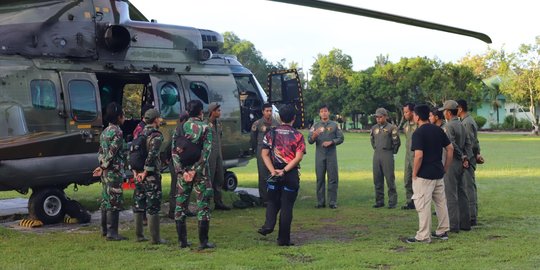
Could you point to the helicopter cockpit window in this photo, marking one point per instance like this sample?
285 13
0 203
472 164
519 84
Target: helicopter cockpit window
250 101
12 120
82 97
169 101
199 91
43 94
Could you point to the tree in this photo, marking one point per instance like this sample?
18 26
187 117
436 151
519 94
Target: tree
329 82
249 56
491 66
524 86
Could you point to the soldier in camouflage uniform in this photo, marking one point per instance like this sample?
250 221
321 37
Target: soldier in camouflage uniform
455 182
215 161
194 177
258 130
172 194
147 195
385 141
472 130
112 160
408 127
327 135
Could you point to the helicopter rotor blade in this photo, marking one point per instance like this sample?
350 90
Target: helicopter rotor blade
386 16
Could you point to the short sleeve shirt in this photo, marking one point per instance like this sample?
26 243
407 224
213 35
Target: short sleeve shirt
288 141
431 139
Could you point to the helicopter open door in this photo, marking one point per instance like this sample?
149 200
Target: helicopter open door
284 87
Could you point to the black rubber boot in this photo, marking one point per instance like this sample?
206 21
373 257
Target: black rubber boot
181 230
139 227
153 226
204 227
103 222
112 232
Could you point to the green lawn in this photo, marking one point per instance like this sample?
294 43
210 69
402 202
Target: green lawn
355 236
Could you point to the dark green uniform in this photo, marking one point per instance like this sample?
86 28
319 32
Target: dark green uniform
472 130
455 183
147 195
112 159
326 159
258 130
215 161
195 129
409 127
385 141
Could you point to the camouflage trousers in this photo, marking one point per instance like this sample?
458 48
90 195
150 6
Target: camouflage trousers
147 195
203 188
112 196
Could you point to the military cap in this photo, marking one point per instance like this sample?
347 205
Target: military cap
381 112
449 105
151 114
213 106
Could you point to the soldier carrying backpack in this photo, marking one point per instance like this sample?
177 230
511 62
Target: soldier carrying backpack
146 164
190 158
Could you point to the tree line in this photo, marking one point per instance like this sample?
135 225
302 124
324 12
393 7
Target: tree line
355 95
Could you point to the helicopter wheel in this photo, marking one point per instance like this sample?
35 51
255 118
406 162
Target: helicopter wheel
231 182
47 205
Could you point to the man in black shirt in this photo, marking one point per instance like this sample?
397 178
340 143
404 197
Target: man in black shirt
428 142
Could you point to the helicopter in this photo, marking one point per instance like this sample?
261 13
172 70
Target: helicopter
63 61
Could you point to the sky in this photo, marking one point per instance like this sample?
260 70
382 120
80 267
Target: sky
284 31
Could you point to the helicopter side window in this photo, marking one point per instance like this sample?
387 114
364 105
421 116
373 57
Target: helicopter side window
82 97
43 94
199 91
169 101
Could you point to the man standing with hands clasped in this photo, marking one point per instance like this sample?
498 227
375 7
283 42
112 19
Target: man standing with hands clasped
283 149
427 143
326 134
385 142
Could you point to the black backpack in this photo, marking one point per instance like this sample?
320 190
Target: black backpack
138 152
189 152
75 210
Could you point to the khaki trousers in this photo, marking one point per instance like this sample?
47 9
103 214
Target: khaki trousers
425 191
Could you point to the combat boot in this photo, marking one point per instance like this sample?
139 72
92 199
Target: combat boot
204 227
112 232
181 230
103 222
139 227
153 225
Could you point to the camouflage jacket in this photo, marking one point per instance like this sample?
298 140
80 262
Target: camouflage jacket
195 129
154 139
385 137
112 149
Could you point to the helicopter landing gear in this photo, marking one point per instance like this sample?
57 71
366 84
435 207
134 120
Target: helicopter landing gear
231 181
47 205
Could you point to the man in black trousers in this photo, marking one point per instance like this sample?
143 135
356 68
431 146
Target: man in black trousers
283 149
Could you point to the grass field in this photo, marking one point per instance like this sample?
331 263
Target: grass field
355 236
